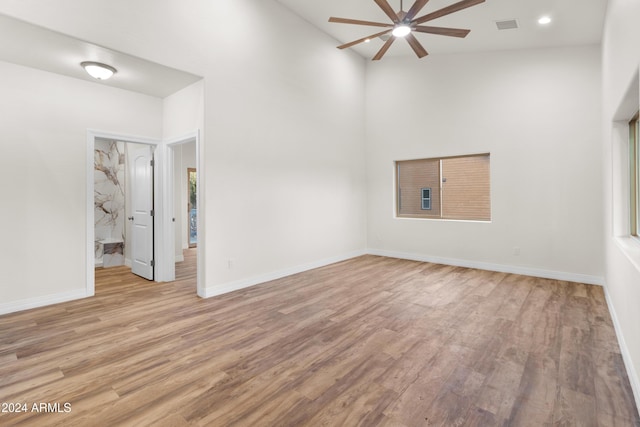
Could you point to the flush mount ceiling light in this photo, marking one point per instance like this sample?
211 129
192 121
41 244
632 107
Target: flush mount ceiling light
98 70
404 24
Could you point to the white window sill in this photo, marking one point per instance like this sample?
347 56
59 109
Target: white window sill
630 247
412 218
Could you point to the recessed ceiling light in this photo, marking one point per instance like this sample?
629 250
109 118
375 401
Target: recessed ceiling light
544 20
98 70
367 40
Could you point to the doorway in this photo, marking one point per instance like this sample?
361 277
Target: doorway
110 217
124 206
183 161
163 225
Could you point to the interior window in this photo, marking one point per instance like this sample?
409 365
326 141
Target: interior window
444 188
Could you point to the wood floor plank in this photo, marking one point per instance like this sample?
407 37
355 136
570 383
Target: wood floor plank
537 393
370 341
610 388
577 370
355 394
575 409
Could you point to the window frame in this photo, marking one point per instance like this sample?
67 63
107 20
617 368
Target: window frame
398 191
423 199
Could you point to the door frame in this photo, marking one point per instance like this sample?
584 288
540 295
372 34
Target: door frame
92 135
168 208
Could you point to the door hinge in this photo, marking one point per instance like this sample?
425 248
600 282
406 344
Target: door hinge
153 212
153 163
153 263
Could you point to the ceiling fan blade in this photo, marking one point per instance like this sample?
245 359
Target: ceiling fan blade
358 22
355 42
415 9
384 49
447 10
386 8
416 46
442 31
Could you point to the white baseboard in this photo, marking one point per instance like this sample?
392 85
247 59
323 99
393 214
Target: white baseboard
179 258
634 379
29 303
212 291
526 271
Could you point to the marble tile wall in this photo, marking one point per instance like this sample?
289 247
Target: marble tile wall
109 185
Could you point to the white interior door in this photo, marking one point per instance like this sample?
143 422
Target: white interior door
141 238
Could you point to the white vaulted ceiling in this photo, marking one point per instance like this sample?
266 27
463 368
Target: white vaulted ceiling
574 22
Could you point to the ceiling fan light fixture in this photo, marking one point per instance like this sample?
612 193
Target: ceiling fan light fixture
98 70
405 23
401 30
544 20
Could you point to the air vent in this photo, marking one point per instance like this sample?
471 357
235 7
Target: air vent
508 24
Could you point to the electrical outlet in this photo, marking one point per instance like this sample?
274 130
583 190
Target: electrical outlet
516 250
230 263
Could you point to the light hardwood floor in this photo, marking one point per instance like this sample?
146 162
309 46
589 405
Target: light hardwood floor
370 341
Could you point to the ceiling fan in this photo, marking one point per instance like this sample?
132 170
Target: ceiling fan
404 25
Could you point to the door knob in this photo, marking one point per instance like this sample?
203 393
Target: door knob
130 218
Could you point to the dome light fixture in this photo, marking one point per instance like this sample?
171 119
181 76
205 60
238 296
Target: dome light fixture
401 30
98 70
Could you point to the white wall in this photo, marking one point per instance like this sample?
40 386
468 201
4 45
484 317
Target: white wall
620 59
43 166
283 183
537 112
183 113
285 178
